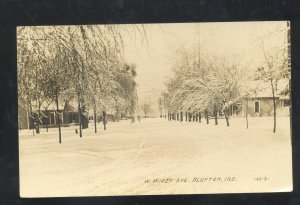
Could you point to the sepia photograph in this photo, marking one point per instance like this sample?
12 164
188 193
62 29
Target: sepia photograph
154 109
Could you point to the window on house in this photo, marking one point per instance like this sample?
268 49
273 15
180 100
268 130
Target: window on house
52 118
257 106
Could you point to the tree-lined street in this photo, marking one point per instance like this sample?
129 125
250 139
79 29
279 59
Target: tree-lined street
132 109
119 160
79 65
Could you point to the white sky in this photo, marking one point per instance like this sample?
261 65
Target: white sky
239 39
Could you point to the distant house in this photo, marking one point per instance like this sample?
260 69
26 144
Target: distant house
48 116
260 100
263 106
109 117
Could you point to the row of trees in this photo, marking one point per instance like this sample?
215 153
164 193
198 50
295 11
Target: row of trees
68 64
203 85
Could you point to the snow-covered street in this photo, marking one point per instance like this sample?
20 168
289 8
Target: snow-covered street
120 160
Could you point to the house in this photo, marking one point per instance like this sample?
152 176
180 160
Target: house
264 106
259 101
48 115
109 117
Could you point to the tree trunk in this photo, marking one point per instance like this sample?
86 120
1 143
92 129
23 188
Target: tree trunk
37 125
58 118
79 118
247 112
199 117
104 119
181 116
95 119
186 116
226 117
47 122
31 121
274 106
206 117
37 120
216 117
65 117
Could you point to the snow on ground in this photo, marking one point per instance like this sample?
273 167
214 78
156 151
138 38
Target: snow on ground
119 160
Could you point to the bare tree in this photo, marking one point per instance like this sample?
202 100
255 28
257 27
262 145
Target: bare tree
275 68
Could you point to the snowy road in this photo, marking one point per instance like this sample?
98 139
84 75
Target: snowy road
120 160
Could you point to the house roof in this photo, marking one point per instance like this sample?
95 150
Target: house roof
48 105
263 89
72 106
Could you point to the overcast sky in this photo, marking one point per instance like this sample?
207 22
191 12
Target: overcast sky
238 40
